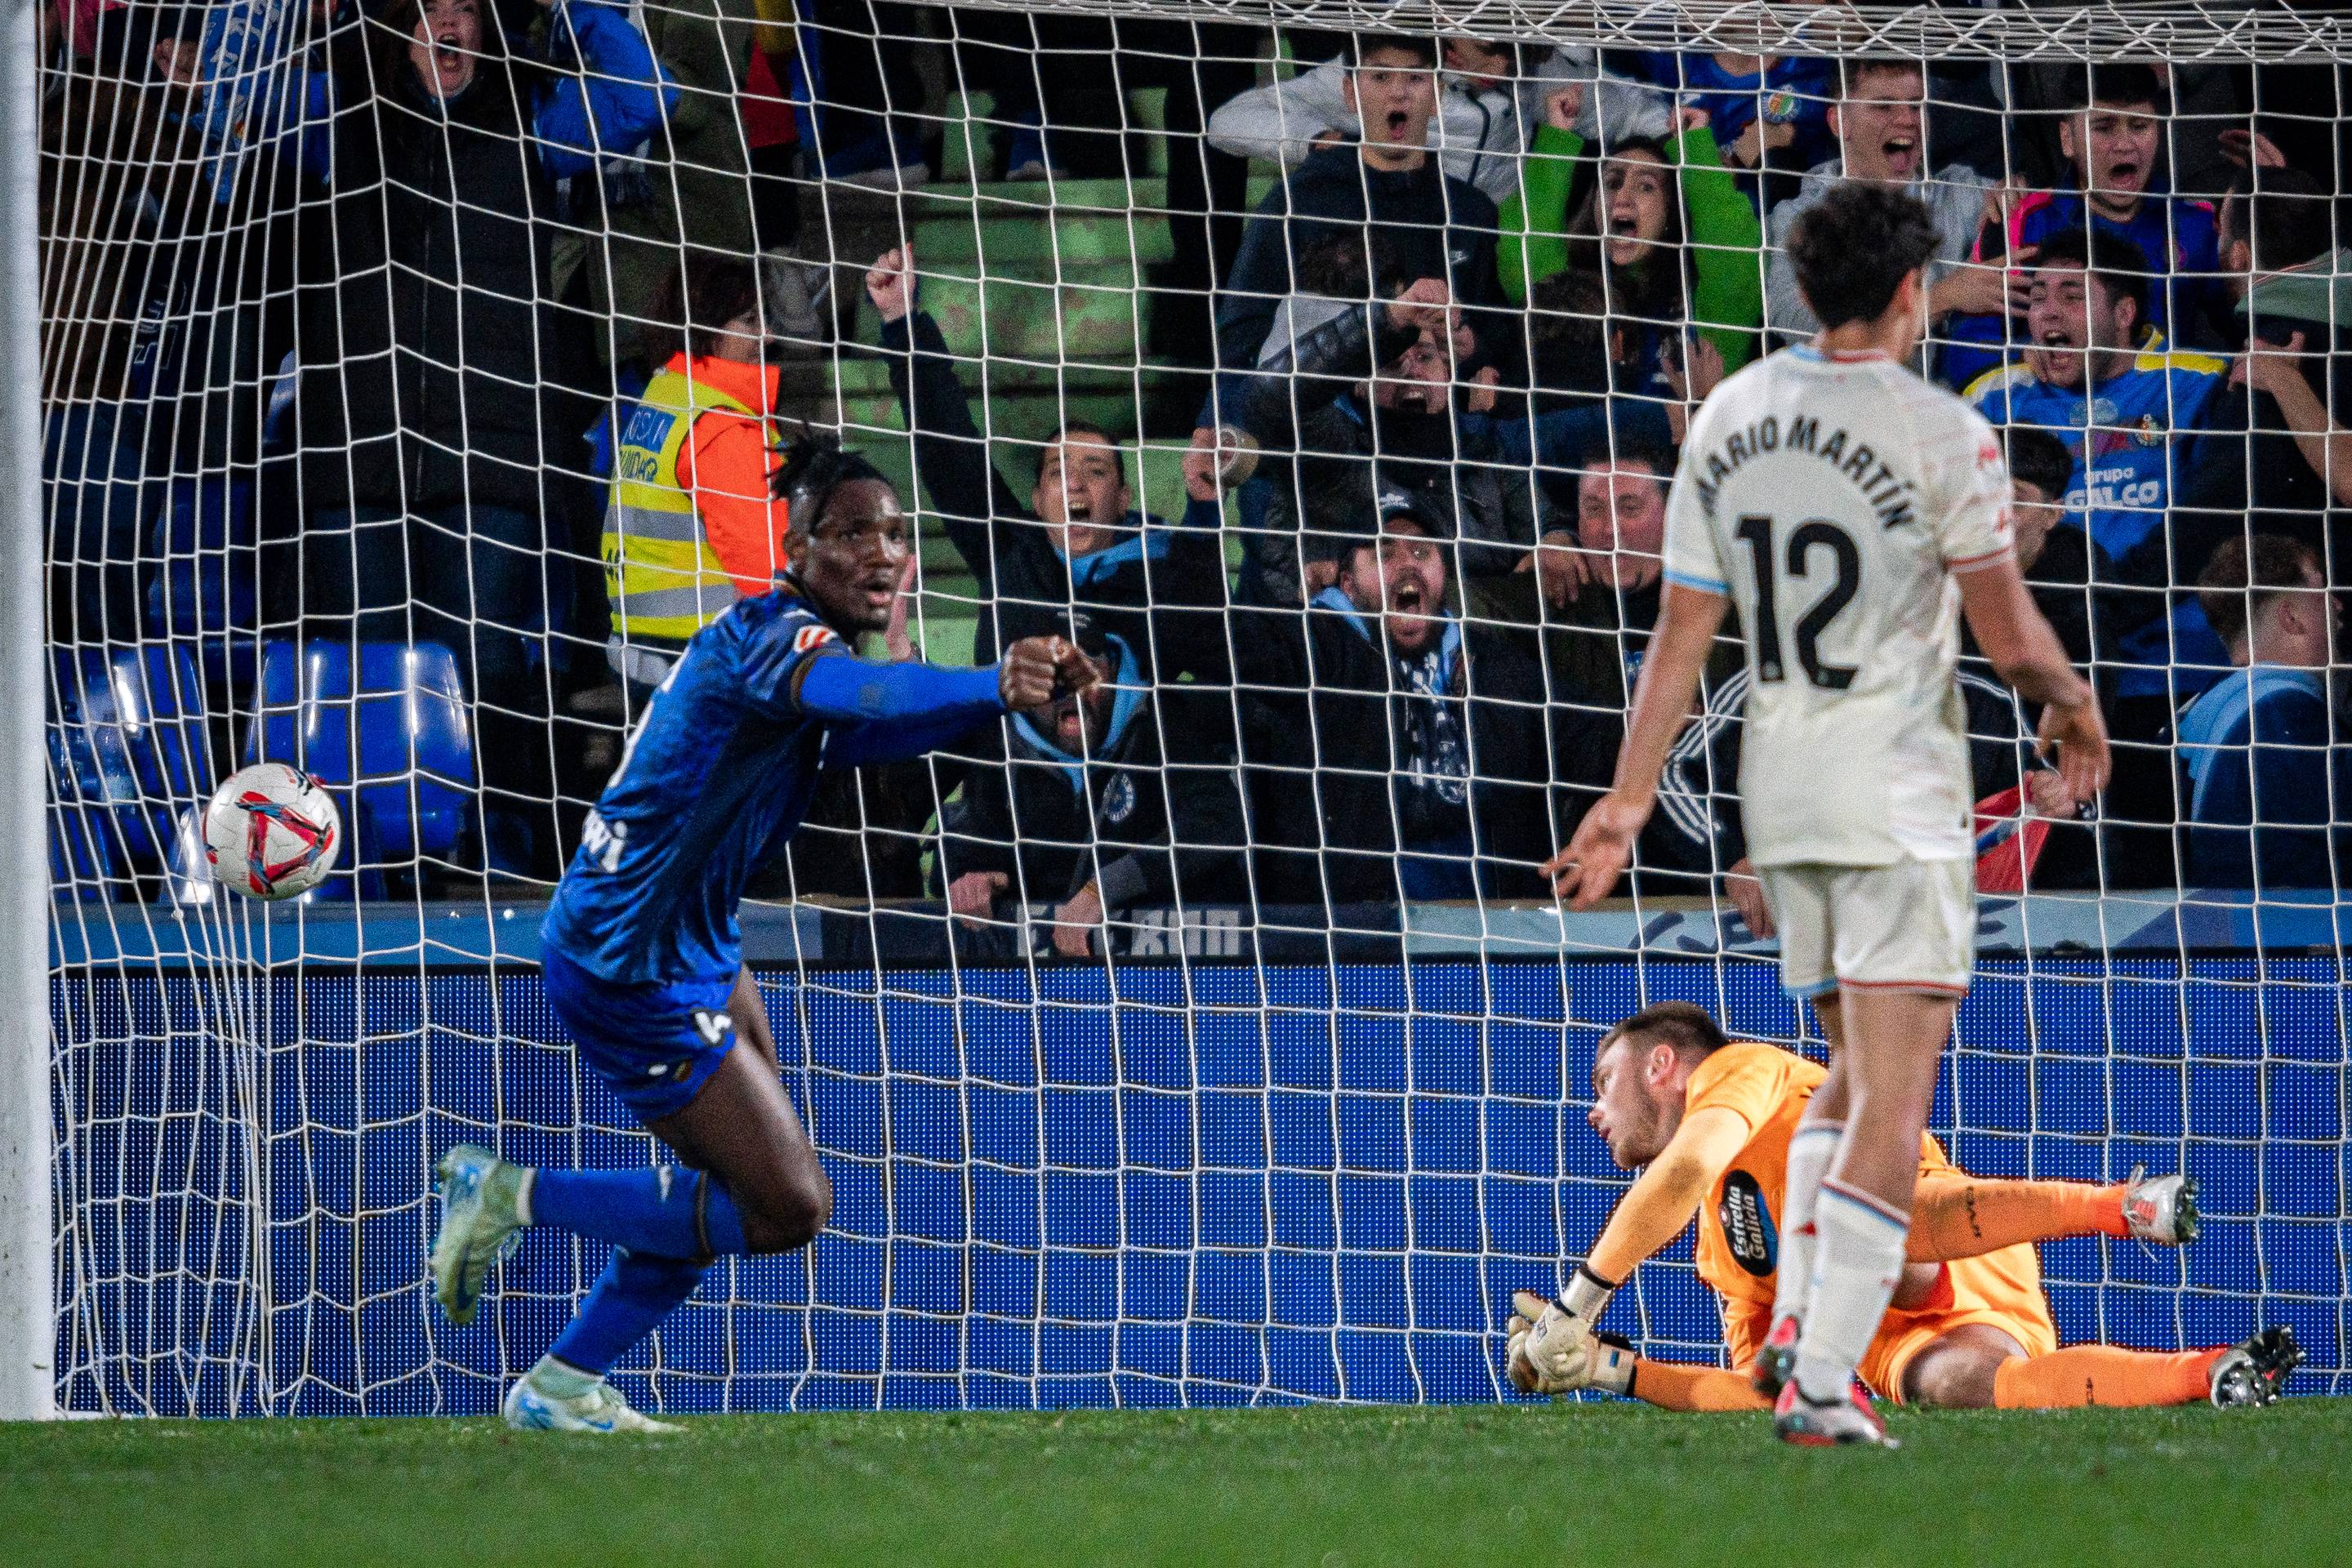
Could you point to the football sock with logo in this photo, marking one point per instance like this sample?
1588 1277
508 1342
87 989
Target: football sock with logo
1671 1386
2101 1374
1968 1218
1857 1259
632 1297
1812 1148
665 1211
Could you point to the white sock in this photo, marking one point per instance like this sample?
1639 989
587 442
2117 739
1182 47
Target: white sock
1857 1259
1812 1148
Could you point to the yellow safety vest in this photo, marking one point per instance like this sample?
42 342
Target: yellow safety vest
663 578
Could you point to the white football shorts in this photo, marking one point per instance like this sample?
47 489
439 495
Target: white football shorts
1911 926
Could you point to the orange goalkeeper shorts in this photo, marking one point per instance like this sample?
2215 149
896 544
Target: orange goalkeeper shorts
2001 1290
1902 1335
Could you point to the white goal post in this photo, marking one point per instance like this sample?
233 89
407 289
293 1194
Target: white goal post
27 1227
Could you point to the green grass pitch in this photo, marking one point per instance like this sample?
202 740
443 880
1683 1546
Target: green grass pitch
1614 1486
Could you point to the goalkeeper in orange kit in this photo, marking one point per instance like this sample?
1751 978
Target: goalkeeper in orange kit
1968 1326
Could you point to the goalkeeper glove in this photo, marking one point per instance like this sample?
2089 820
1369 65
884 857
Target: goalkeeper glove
1554 1346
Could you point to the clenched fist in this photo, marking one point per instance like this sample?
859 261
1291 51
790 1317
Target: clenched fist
1027 674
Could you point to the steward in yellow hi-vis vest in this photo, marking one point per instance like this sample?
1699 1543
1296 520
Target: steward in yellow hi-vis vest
691 526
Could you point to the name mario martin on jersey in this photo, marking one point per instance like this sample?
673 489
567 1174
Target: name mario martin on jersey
1889 494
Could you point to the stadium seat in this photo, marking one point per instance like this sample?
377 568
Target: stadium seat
204 588
410 754
82 845
127 730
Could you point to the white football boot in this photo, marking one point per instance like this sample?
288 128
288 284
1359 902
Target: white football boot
480 1224
2161 1209
557 1399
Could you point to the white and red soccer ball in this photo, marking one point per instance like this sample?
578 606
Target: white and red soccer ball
272 831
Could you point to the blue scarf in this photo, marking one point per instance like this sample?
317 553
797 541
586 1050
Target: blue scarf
1429 757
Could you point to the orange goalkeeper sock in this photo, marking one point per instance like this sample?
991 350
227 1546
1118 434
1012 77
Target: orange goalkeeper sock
1670 1386
1968 1218
2101 1374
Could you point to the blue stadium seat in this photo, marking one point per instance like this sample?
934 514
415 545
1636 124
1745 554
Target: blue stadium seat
204 588
411 753
127 730
82 857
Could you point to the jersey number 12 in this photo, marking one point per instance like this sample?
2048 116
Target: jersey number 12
1803 540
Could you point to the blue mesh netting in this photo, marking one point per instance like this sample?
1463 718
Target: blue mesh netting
1185 1184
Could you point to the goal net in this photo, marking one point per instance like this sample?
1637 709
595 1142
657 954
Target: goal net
412 377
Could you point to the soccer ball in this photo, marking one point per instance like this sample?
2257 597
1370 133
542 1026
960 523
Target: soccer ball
272 831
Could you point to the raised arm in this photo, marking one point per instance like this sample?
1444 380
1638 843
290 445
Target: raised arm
1533 244
1726 244
2277 369
950 455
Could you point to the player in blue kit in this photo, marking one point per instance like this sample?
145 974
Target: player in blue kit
642 952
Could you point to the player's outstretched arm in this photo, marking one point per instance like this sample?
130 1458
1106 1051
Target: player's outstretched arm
890 712
2025 653
1558 1351
1589 867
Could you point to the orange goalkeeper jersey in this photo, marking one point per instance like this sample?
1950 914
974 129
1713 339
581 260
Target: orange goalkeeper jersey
1739 1226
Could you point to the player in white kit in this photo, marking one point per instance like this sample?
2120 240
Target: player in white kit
1852 512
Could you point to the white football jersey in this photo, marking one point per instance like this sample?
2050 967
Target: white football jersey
1833 498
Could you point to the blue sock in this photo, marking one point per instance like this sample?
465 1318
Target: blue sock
637 1292
667 1211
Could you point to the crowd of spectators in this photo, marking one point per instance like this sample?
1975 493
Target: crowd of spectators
483 291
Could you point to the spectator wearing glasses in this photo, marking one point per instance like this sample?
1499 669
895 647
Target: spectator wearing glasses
1343 385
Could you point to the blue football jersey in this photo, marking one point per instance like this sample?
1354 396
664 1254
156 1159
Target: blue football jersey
717 775
2124 438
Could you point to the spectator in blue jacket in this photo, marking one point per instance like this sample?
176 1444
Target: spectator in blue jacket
440 391
2265 774
2113 135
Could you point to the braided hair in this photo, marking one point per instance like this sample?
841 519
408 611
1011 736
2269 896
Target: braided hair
815 465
